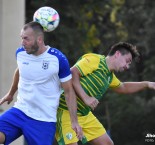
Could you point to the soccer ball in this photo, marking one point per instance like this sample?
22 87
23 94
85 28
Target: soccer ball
47 17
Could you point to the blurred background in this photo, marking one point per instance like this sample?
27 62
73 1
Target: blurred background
93 26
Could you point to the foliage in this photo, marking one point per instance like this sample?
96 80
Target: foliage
94 25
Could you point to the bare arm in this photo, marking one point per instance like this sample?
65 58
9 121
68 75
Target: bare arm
14 86
133 87
88 100
72 107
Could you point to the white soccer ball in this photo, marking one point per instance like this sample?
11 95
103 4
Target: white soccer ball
47 17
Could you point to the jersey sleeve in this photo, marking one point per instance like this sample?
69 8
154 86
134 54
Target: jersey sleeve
115 82
63 64
88 63
64 69
20 49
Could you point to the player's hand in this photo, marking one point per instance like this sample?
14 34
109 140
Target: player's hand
92 102
77 128
151 85
7 98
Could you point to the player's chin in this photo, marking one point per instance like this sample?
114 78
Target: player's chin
121 70
28 52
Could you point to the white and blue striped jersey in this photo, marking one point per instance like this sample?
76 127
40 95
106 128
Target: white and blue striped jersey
39 85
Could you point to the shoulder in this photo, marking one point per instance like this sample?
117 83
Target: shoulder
90 58
56 52
93 55
20 49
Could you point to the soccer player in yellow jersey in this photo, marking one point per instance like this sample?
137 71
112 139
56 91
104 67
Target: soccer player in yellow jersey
93 74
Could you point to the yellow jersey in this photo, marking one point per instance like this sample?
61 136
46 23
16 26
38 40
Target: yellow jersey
95 80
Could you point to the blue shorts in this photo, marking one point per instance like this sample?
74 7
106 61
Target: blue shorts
14 123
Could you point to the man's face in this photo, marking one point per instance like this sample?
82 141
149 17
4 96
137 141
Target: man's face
29 41
122 62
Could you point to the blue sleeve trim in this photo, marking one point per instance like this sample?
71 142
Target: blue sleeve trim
64 67
19 50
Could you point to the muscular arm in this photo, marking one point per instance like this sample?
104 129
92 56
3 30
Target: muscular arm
70 100
14 86
72 107
88 100
133 87
76 83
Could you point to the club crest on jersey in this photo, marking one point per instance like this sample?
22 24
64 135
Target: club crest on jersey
45 64
69 136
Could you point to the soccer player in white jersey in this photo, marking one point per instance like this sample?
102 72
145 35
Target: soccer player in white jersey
44 72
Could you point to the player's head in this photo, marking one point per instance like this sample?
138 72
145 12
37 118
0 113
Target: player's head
32 36
36 27
125 48
123 53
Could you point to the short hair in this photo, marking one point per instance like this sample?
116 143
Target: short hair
125 48
37 27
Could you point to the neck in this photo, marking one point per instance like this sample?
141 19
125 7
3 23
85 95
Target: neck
109 63
41 50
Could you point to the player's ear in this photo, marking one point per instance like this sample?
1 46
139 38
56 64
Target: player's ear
40 39
117 53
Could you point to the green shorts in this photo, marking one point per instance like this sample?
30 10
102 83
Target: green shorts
91 127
